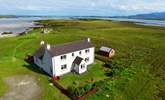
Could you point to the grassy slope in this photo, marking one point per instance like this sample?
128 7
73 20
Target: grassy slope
142 45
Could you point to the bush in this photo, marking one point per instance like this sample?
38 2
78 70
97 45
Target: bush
100 84
108 64
75 83
75 91
78 91
71 89
81 91
104 86
87 87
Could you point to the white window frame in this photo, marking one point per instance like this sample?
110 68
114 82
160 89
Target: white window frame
64 67
80 52
87 59
63 57
82 66
87 51
72 54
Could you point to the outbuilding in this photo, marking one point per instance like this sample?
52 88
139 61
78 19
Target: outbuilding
106 51
46 30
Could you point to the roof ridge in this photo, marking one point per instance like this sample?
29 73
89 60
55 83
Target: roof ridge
64 48
62 44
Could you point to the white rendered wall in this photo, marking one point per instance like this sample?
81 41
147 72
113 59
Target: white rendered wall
82 70
57 62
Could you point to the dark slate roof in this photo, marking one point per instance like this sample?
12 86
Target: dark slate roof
56 50
40 52
78 60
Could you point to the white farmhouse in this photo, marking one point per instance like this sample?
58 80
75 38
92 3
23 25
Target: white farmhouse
57 60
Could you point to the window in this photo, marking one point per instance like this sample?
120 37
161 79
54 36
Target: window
63 67
72 54
87 59
87 51
80 52
83 66
63 57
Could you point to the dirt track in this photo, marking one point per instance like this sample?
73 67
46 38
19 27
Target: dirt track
22 88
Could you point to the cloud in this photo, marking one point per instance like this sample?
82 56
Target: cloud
81 7
139 5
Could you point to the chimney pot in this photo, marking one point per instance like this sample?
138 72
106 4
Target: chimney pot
42 43
89 40
48 46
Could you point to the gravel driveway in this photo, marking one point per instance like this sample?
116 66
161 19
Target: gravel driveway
22 88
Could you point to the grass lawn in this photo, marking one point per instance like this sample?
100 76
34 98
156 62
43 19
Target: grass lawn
95 72
139 49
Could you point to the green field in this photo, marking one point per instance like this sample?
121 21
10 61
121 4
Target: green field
140 53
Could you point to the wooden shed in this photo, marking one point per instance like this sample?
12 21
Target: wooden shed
106 51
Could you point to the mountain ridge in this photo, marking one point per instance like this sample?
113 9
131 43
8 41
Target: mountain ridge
155 15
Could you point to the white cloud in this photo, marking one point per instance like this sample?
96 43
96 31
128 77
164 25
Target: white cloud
107 7
139 5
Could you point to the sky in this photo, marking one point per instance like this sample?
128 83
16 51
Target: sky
80 7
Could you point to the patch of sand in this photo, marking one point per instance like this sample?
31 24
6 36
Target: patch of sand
7 35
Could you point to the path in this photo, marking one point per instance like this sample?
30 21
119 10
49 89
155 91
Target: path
15 49
22 88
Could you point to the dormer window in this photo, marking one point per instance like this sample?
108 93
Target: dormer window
87 51
72 54
63 57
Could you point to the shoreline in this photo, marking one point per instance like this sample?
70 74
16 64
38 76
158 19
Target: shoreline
37 24
21 33
16 34
26 26
7 35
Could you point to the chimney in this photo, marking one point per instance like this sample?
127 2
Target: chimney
48 46
42 43
88 39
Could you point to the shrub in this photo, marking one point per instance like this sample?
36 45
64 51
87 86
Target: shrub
87 87
104 86
78 91
71 89
75 83
81 91
100 84
108 64
128 73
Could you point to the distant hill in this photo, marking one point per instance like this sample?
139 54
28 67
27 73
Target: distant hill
157 15
160 15
8 16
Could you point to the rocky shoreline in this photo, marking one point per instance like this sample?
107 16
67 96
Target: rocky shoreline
11 34
7 35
